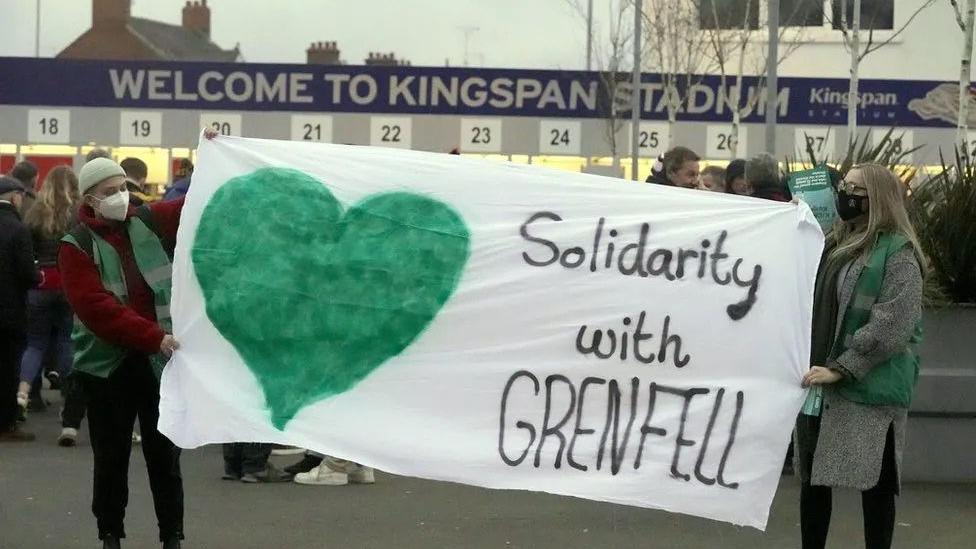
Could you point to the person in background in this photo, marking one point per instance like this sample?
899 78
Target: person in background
48 310
115 269
678 167
762 174
180 187
136 173
867 312
18 274
248 462
735 178
713 179
26 172
97 153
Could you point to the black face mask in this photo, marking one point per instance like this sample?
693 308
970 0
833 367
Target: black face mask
850 206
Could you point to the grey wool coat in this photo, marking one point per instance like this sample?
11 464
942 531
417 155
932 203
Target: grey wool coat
852 437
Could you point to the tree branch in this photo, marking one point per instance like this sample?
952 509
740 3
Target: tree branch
897 33
959 21
677 44
867 47
844 30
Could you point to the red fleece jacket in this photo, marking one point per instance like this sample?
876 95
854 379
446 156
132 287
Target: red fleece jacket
132 326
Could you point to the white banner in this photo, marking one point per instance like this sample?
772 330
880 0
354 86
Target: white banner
492 324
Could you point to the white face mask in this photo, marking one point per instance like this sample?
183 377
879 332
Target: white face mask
114 207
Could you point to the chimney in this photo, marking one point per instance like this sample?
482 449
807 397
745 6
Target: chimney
384 59
196 17
110 13
323 53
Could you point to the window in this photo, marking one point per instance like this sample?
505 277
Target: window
875 14
729 14
801 13
738 14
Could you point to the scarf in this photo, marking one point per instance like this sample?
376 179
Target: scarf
825 306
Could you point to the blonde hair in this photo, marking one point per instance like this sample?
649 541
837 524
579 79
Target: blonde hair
887 213
52 211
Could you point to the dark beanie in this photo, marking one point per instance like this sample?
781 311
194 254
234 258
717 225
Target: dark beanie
9 184
736 168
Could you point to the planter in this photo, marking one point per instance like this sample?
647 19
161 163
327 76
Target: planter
942 420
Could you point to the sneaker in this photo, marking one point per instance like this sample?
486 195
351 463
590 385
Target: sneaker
280 450
136 438
23 404
269 474
323 475
230 476
16 435
362 475
54 380
307 463
68 438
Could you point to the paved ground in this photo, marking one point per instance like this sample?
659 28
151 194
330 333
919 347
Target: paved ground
45 495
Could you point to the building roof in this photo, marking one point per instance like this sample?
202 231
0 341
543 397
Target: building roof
177 43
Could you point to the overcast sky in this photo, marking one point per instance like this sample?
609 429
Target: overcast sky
511 33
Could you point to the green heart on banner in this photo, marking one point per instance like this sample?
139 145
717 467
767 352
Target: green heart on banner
312 299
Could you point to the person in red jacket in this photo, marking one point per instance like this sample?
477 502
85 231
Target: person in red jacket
115 268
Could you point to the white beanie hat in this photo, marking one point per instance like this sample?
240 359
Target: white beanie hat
96 171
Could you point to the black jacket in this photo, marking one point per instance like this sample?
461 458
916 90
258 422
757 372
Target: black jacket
17 271
45 249
658 178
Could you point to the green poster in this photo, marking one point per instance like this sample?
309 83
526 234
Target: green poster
813 187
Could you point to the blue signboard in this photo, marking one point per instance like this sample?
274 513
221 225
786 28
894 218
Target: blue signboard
448 90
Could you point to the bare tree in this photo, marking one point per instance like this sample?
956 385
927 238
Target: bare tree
725 46
852 41
965 68
728 40
677 50
610 53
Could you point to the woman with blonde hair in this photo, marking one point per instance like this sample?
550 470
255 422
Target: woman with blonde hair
866 326
49 219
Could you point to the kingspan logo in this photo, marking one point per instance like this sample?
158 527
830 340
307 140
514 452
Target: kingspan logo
829 96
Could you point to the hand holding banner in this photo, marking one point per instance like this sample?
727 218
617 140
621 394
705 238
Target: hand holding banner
493 324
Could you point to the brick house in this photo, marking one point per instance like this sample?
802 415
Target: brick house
116 35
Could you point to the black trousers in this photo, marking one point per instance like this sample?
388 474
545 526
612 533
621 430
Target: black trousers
877 503
113 404
245 458
73 394
12 344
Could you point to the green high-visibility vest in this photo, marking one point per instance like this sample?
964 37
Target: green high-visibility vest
891 383
94 355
